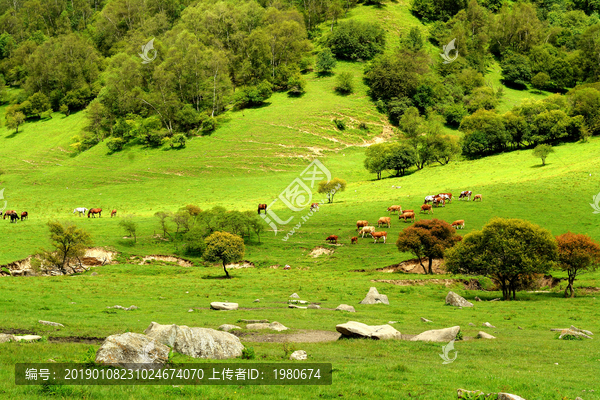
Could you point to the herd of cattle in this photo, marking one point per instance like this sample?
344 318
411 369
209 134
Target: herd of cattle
438 200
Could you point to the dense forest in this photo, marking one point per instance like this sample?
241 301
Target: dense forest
211 56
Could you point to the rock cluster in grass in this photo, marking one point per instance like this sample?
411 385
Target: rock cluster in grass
125 308
573 333
455 300
353 329
373 297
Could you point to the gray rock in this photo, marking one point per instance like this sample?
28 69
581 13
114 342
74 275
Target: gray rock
7 337
132 348
276 326
50 323
94 273
496 299
578 398
294 296
353 329
295 306
314 306
581 330
299 355
425 320
457 301
228 327
468 394
256 301
477 298
519 327
294 301
373 297
197 342
508 396
123 308
345 307
253 321
471 324
437 335
483 335
190 310
27 338
392 322
488 325
215 305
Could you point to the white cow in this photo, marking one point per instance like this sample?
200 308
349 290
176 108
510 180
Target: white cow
366 230
80 210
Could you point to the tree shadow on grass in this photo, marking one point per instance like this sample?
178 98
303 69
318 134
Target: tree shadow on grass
217 277
540 165
14 134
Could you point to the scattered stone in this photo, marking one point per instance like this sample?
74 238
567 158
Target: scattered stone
437 335
483 335
94 273
496 299
314 306
298 301
353 329
294 295
392 322
519 327
132 348
276 326
7 337
27 338
256 301
254 321
228 327
425 320
508 396
488 325
50 323
477 298
578 398
190 310
197 342
345 307
215 305
455 300
469 394
299 355
569 332
295 306
471 324
123 308
373 297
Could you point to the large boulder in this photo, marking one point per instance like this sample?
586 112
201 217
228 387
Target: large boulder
197 342
457 301
373 297
132 348
353 329
7 337
215 305
437 335
345 307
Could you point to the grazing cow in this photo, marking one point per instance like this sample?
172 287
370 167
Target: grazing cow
446 196
262 207
393 209
361 224
385 220
408 216
367 230
113 213
24 215
460 224
9 213
477 196
426 208
465 194
81 211
429 199
332 239
314 207
378 235
94 211
14 217
439 200
354 240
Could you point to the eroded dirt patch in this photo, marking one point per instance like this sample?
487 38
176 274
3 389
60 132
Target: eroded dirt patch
302 336
241 264
172 259
76 339
319 251
414 267
471 284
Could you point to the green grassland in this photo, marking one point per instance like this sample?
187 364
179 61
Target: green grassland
250 159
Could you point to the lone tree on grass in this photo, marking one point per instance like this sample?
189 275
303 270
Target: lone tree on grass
130 226
68 241
325 61
427 238
506 250
224 247
542 151
577 254
332 187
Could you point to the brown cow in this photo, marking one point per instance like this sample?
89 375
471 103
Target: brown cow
314 207
361 224
9 213
439 200
426 208
460 224
24 215
366 229
393 209
378 235
332 239
408 216
113 213
477 196
354 240
262 207
465 194
384 220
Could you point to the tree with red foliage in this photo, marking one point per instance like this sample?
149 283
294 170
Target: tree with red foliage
428 238
577 254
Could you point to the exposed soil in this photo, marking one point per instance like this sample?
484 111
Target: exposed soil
414 267
76 339
14 331
319 251
172 259
302 336
358 270
471 284
241 264
589 289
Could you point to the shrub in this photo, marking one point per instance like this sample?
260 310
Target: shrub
345 83
325 61
296 85
178 140
115 144
254 95
356 40
209 125
341 125
248 353
541 81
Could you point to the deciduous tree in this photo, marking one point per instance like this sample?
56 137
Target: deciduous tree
577 254
224 247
